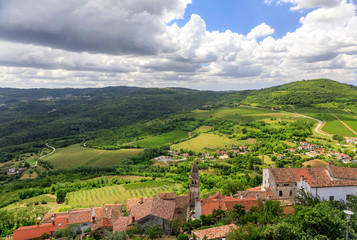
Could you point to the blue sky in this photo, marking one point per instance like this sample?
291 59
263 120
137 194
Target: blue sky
243 15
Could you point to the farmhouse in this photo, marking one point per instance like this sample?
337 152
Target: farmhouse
331 182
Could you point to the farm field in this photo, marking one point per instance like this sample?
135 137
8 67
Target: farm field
316 163
96 197
156 141
32 200
75 156
205 141
332 124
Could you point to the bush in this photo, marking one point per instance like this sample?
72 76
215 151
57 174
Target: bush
153 231
115 236
182 237
43 202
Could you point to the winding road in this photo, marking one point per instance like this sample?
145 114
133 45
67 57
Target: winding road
53 150
319 125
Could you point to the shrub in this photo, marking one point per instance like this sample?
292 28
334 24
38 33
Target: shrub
43 202
182 237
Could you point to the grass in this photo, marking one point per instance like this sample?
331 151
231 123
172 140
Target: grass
28 175
96 197
156 141
332 125
205 141
316 163
32 200
75 156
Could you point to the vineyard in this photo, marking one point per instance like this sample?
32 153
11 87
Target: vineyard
119 193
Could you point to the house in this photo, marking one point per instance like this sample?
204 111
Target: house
11 171
218 201
103 219
304 143
304 148
320 151
222 152
331 182
218 233
312 147
36 231
292 150
152 210
243 148
181 204
223 157
280 157
186 154
351 140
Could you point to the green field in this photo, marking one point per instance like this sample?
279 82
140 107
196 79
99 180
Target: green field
156 141
75 156
32 200
205 141
96 197
332 124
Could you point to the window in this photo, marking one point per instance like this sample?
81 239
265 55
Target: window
286 185
277 185
59 224
348 196
332 198
280 193
291 192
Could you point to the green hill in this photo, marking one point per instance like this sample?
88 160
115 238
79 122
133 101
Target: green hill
306 93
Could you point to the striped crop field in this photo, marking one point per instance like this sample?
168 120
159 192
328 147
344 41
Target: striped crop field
96 197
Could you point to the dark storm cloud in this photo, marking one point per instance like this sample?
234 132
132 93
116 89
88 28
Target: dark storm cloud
106 26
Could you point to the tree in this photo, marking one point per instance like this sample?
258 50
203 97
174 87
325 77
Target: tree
182 237
153 231
61 195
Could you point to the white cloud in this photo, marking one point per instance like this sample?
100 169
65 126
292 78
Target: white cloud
260 31
300 4
128 42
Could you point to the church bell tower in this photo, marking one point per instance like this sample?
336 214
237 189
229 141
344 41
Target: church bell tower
194 184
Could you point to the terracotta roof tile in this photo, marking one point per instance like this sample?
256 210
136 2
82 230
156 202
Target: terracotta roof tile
79 216
121 224
213 233
155 207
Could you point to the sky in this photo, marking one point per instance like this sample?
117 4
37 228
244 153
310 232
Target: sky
200 44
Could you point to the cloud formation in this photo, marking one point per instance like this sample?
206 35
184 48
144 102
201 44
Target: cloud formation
49 43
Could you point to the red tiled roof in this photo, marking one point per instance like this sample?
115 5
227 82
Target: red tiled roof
167 196
30 232
155 207
79 216
215 202
121 224
317 177
130 203
213 233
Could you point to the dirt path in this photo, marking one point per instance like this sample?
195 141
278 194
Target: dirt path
53 150
319 126
343 122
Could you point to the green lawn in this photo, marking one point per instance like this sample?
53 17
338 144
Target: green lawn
156 141
96 197
205 141
76 155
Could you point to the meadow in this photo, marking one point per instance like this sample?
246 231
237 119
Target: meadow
205 141
76 155
162 139
119 193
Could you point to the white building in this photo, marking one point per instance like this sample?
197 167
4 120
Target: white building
330 183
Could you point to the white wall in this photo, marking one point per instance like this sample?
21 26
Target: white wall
338 192
266 176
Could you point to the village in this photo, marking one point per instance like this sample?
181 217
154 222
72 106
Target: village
279 184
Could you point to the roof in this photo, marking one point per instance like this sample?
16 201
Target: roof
154 207
167 196
121 224
30 232
79 216
109 213
218 201
213 233
130 203
253 194
330 176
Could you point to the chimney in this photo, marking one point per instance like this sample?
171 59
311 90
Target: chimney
93 219
67 218
38 224
103 205
141 200
335 164
133 219
116 202
241 196
257 196
301 178
217 193
329 163
289 165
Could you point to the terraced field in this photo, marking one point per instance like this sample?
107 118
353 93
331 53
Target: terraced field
75 156
95 197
